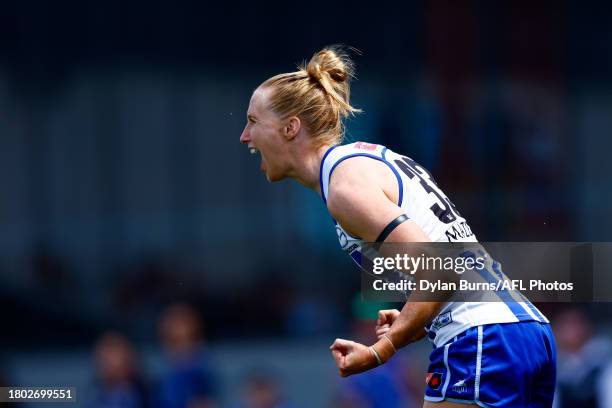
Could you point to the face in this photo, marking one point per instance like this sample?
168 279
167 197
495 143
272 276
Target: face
263 134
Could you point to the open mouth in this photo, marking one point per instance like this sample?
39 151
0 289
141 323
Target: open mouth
262 165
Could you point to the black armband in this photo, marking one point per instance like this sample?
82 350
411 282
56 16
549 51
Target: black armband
390 227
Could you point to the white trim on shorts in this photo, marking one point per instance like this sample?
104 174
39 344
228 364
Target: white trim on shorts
446 381
476 379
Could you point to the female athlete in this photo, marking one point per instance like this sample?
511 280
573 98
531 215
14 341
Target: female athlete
496 354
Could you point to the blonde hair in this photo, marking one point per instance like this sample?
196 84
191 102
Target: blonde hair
318 93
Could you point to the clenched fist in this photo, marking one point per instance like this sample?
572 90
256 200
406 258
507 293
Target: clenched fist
385 320
351 357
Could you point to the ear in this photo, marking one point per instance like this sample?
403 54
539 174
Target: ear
292 128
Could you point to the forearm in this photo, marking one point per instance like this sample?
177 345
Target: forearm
422 306
410 324
408 327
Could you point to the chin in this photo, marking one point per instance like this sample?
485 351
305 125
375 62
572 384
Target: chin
273 178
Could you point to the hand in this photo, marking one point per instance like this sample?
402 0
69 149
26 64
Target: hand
385 320
351 357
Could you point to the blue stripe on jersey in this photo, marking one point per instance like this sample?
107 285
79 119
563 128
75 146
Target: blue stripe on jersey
400 184
534 310
356 255
321 172
399 179
505 296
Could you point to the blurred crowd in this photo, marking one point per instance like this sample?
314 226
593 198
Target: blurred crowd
189 379
190 375
584 368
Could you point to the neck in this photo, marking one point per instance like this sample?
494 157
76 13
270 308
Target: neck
308 164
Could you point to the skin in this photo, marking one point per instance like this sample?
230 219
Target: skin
287 151
286 148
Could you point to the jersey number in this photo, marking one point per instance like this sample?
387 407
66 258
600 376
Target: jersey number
443 208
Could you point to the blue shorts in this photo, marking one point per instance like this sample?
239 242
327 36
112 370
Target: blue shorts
495 365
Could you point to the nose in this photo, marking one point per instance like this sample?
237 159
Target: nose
245 137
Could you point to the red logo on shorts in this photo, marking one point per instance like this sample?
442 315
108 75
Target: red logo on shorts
433 380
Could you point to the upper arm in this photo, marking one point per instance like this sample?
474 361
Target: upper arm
359 199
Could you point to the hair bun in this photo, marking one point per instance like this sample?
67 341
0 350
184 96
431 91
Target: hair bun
333 61
332 69
318 93
314 70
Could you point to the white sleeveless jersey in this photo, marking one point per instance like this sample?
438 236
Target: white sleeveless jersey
426 205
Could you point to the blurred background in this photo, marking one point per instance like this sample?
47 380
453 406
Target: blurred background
145 260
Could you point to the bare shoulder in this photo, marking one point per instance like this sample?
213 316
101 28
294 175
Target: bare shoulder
353 178
357 169
363 173
361 197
